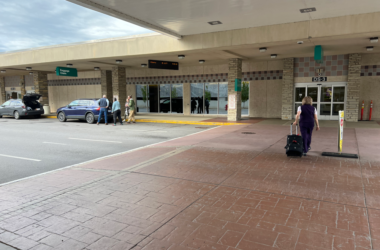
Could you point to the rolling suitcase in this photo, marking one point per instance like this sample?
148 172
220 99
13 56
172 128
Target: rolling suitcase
294 146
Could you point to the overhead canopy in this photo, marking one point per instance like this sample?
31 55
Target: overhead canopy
179 18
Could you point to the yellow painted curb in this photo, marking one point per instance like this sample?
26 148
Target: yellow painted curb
175 122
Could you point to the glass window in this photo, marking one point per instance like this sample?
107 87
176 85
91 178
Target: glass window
338 94
337 108
211 98
177 98
325 109
165 98
296 105
6 103
142 92
196 98
244 98
326 94
300 94
84 103
223 97
74 103
313 93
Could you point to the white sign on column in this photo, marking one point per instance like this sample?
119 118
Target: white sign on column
232 101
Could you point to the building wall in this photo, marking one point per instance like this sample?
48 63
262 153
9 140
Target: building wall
370 86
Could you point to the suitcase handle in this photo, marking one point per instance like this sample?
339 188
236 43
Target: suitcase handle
291 128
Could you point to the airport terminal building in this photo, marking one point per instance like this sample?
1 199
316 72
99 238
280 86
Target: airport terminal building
234 62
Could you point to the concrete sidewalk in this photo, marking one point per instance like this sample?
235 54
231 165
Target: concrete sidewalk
223 188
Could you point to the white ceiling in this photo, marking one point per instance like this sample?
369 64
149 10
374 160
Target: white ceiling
185 17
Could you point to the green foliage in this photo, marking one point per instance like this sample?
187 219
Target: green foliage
244 91
144 91
207 94
174 92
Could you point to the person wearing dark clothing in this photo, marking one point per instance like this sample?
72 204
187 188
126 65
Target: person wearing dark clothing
116 112
193 105
103 104
307 116
199 105
207 105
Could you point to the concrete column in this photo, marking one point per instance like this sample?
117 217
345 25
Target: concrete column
22 86
131 90
186 98
119 86
288 89
2 89
106 83
41 86
353 88
234 72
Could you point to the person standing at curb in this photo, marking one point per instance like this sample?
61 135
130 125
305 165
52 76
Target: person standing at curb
126 108
131 105
116 112
103 104
307 116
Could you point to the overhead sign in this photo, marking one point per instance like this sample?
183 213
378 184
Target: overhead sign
319 79
154 64
62 71
340 135
318 54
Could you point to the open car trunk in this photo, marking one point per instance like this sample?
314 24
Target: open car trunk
31 101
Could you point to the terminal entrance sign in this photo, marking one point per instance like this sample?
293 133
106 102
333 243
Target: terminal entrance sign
154 64
62 71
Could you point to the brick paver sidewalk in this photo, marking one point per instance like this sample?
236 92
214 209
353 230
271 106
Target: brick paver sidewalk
220 189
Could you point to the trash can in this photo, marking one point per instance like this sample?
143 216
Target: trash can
46 109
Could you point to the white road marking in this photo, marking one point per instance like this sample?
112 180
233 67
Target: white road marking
103 157
54 143
94 140
21 158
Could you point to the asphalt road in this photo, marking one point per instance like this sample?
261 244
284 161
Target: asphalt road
45 144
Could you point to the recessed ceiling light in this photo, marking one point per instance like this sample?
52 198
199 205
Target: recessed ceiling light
300 42
3 71
181 56
30 73
69 65
273 56
374 39
369 48
28 68
96 68
119 61
202 61
307 10
215 22
263 49
143 65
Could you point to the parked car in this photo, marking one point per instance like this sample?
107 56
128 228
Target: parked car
82 109
27 106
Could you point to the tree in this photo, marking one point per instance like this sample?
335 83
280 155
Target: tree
144 91
244 92
207 94
174 92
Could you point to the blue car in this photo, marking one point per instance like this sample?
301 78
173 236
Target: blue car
82 109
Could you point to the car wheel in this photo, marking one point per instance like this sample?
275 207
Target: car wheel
37 116
61 117
1 116
16 115
90 118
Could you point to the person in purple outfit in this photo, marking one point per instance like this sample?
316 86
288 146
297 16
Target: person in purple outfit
307 116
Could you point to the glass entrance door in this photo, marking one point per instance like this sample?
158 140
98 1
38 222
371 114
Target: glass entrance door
328 98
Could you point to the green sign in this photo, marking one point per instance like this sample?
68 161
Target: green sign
318 54
62 71
237 84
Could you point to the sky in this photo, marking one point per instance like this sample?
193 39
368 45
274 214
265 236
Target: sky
28 24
